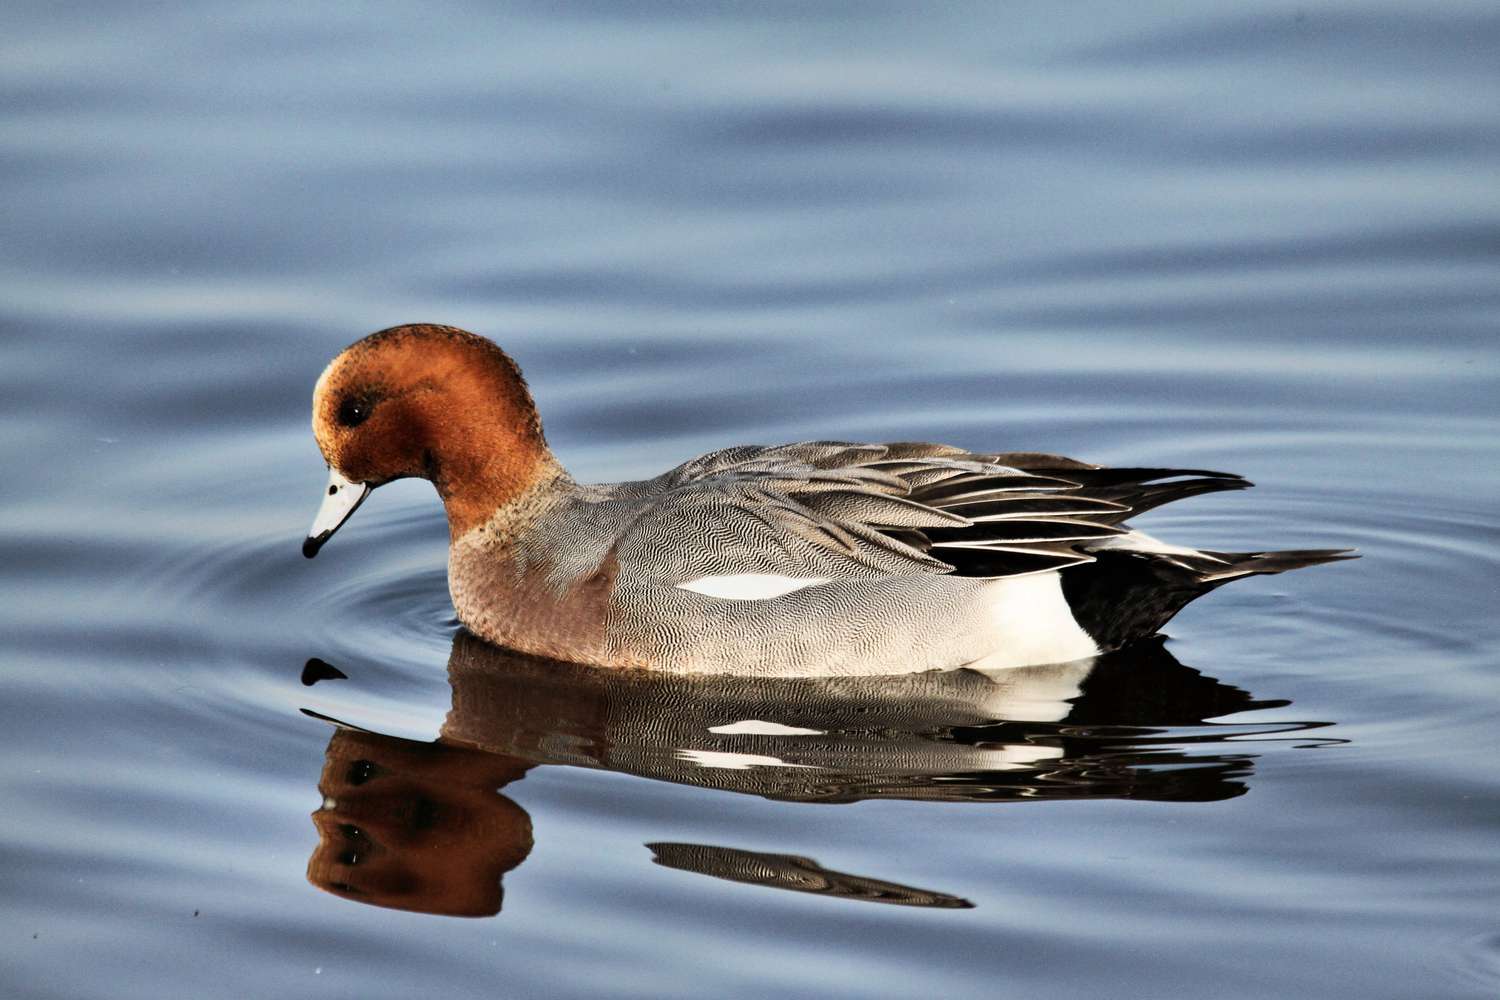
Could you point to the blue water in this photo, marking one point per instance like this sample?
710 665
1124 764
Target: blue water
1257 237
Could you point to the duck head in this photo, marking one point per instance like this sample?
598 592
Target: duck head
425 401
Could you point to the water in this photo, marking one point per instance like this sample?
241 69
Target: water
1259 237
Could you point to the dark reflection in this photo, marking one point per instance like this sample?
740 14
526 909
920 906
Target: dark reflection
321 670
421 826
789 871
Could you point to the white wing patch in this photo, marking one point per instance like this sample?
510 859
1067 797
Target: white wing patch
723 760
750 586
760 727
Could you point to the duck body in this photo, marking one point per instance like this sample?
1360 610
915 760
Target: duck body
748 560
820 557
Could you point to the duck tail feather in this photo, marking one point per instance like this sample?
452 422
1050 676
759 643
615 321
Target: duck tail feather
1126 595
1266 563
1141 497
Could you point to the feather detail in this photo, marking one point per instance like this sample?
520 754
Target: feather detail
1019 531
821 509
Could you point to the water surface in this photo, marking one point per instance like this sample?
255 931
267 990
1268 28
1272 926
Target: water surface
1261 237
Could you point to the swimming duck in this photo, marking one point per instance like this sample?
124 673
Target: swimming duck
821 557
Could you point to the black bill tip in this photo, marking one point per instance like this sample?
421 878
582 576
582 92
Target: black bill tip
312 543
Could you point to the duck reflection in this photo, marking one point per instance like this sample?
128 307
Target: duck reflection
789 871
422 826
417 826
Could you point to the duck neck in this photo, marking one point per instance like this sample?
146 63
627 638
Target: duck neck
500 495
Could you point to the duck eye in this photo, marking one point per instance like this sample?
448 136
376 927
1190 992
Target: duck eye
353 411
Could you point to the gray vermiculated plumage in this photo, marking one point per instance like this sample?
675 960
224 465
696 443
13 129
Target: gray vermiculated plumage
859 504
908 535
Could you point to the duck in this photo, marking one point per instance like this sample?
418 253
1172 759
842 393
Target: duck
803 559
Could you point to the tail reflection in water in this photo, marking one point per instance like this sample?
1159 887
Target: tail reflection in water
422 826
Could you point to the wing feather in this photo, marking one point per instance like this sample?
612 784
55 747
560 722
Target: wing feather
830 508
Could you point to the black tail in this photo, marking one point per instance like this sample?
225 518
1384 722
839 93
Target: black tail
1142 489
1267 563
1126 595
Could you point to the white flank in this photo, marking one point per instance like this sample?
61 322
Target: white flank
750 586
1031 623
760 727
1017 757
1035 694
723 760
1139 541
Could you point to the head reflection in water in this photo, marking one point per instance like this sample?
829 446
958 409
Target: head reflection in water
421 826
417 826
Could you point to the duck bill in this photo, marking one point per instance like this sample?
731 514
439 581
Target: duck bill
341 499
